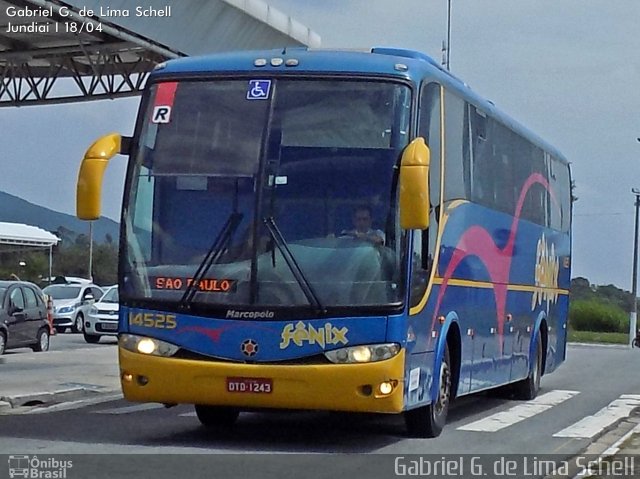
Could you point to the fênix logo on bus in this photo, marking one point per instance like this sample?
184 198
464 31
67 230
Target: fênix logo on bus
546 274
302 333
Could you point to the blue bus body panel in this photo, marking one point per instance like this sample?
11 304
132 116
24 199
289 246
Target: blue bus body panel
486 278
309 62
275 340
419 68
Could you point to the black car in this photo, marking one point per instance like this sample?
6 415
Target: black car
23 316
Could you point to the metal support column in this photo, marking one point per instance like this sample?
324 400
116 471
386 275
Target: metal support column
634 274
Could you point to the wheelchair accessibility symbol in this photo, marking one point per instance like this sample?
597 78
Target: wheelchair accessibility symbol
258 89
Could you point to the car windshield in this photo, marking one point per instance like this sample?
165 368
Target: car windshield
111 296
262 197
62 292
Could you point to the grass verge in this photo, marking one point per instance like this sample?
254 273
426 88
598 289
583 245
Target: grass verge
594 337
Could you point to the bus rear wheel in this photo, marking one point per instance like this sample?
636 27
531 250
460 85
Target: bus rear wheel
216 417
429 421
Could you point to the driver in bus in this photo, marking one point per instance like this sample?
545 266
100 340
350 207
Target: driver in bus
362 227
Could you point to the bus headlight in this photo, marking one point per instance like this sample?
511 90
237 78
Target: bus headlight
142 345
367 353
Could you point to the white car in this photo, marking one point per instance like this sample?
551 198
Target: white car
71 303
103 317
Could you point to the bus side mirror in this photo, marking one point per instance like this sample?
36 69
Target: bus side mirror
89 187
414 186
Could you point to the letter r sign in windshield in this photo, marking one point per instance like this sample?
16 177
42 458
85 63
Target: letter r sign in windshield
163 102
161 114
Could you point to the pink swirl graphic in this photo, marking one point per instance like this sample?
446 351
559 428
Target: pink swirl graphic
476 241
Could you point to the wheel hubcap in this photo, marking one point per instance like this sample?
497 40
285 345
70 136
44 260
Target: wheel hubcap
536 371
445 387
44 341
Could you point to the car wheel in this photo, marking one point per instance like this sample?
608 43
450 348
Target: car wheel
3 342
43 341
217 417
91 338
78 325
429 421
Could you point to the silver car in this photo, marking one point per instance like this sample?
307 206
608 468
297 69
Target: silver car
103 317
71 303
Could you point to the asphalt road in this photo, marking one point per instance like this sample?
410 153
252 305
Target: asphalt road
71 341
67 342
592 384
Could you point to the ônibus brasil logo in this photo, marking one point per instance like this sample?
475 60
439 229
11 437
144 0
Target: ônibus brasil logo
35 468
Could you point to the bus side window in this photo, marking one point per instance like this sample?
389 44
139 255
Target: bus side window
481 181
424 241
429 129
421 262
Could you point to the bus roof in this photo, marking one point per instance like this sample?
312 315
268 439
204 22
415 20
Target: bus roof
384 61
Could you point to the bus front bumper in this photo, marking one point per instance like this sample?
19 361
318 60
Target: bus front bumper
332 387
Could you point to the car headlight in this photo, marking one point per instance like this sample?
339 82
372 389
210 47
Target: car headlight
367 353
93 310
144 345
66 309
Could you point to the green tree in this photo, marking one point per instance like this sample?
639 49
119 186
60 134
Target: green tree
105 263
581 289
27 263
596 315
615 296
73 260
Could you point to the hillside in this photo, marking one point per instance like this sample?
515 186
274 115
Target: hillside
17 210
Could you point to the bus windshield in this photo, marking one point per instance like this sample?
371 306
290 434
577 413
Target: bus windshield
267 193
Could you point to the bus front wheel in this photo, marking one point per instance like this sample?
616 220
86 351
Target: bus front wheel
216 417
428 421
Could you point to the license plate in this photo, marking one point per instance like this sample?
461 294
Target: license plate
110 327
250 385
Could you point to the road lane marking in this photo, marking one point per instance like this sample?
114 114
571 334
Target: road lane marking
65 406
520 412
130 409
605 417
616 446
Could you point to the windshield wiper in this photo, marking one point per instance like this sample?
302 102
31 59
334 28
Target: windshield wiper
218 247
293 265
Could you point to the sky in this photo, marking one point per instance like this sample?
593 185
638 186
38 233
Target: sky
569 70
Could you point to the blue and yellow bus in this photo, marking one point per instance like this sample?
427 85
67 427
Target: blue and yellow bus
331 230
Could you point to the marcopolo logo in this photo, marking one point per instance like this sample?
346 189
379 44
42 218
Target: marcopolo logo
37 468
233 314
